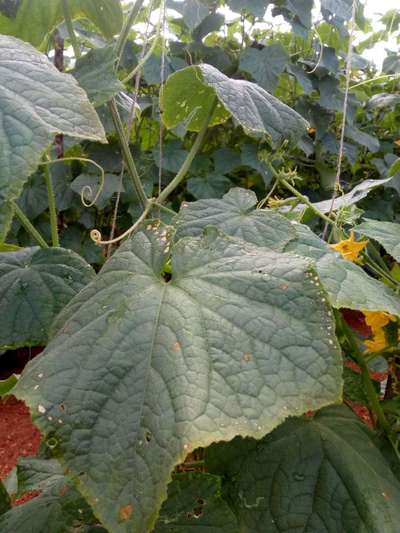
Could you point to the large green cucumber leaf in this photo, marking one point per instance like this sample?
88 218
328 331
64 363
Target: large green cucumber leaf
36 102
319 474
195 503
35 284
236 215
95 73
142 370
34 20
386 233
346 283
189 93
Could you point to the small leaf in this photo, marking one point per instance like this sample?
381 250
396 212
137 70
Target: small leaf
193 11
212 185
193 90
35 284
96 75
266 65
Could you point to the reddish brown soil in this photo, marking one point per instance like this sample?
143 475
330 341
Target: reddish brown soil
18 436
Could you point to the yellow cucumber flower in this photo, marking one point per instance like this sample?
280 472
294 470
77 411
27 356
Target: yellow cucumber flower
350 248
377 320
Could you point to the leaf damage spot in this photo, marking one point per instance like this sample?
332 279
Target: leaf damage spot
125 512
247 357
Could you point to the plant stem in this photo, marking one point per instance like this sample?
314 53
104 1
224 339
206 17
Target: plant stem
123 36
52 206
146 56
368 386
70 28
270 193
163 208
189 158
281 179
126 152
28 226
305 200
380 272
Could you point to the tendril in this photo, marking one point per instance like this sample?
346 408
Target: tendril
86 189
96 236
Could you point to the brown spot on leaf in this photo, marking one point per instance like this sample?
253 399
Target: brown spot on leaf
64 490
247 357
125 512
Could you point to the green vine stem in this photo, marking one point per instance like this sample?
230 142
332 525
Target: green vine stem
52 206
281 178
126 152
146 56
29 226
189 158
70 28
306 201
123 36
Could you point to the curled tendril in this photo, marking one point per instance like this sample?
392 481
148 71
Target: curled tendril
87 188
95 234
